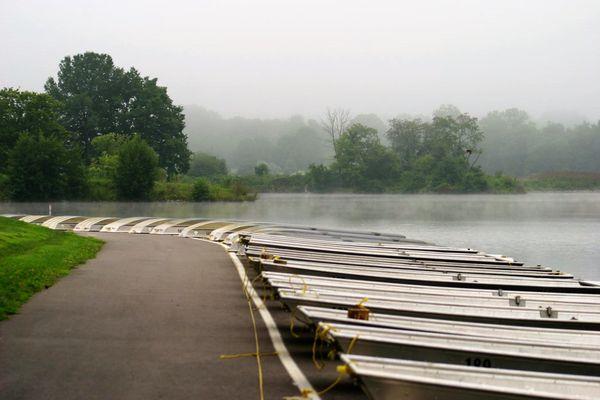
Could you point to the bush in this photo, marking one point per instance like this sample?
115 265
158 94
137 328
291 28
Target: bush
207 165
172 191
41 168
4 188
321 178
261 169
136 170
500 183
101 189
201 190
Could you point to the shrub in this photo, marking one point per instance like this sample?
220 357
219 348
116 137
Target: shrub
207 165
201 190
500 183
4 188
136 170
261 169
42 168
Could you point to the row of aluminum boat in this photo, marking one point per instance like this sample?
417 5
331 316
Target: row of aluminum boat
442 322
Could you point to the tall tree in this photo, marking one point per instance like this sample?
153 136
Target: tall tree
335 123
362 161
27 112
89 87
42 168
136 170
100 98
405 137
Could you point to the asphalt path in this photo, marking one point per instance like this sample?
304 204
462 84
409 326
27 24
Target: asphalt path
147 319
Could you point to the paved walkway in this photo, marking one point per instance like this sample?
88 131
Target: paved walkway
147 319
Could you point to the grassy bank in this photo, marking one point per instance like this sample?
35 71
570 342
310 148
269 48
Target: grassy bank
550 181
33 258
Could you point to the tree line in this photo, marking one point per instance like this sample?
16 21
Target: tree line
98 132
440 155
513 142
518 146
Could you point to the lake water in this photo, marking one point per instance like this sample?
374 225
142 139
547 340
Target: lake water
560 230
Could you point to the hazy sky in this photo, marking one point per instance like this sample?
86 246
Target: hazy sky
276 58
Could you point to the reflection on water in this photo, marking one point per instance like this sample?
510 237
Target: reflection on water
561 230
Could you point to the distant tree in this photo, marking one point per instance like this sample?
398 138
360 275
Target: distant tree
100 98
201 190
458 136
372 121
296 151
251 151
405 137
27 112
320 178
41 168
261 169
335 123
362 161
447 110
203 164
136 170
440 155
510 136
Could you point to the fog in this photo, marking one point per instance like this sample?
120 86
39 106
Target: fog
560 230
273 59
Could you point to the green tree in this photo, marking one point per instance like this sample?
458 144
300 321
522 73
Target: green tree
201 190
27 112
41 168
261 169
136 170
320 178
440 155
108 144
362 161
100 98
453 136
207 165
405 137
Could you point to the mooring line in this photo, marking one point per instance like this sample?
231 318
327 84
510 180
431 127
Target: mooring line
304 386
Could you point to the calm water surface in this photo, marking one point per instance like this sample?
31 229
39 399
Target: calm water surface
561 230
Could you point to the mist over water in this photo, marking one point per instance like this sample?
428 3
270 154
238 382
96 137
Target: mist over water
561 230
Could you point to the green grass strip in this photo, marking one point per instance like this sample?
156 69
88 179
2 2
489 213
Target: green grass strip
33 258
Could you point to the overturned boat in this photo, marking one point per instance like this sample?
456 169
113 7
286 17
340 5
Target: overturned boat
460 350
395 379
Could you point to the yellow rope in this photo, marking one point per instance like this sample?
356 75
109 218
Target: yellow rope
342 370
361 304
292 319
352 343
231 356
304 285
333 384
261 392
320 333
